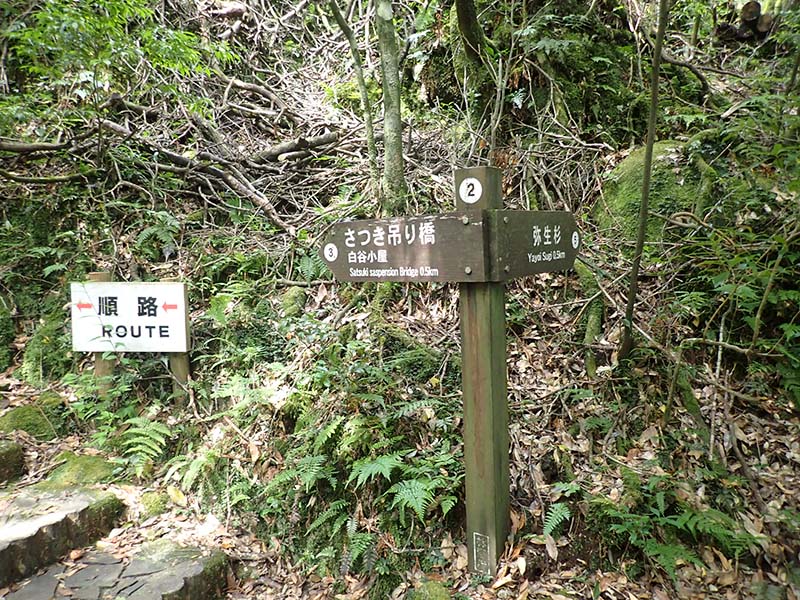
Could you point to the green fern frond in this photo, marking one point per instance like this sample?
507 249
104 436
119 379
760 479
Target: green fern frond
336 508
311 266
144 441
368 469
447 503
668 556
359 543
326 433
556 515
414 494
311 469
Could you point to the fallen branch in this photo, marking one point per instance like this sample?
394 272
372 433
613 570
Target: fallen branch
236 182
272 154
44 180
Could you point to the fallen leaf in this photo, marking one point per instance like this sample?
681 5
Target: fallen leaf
552 549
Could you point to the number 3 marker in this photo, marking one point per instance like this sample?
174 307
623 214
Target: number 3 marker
470 190
331 252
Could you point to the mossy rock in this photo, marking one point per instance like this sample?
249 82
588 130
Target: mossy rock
48 353
154 504
429 590
80 469
31 419
293 302
12 460
675 187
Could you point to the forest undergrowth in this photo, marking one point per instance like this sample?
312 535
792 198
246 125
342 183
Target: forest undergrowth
217 143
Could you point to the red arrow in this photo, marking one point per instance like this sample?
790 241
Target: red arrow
82 305
168 307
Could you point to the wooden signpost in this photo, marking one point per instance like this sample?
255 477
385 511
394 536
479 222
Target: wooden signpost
479 246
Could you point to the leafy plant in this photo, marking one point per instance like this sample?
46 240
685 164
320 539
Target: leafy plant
144 441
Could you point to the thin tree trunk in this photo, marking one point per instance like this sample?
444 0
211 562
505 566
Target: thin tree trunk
366 105
394 181
627 337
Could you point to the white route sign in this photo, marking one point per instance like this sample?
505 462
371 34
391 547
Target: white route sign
129 317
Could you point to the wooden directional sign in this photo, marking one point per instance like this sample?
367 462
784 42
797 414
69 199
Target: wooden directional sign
444 247
480 247
526 242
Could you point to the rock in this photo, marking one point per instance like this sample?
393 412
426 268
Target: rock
160 570
12 460
675 187
79 470
31 419
154 504
429 590
293 302
41 525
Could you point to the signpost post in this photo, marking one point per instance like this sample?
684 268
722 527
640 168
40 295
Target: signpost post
479 246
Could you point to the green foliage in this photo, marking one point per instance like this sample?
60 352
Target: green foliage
557 514
47 356
144 442
652 522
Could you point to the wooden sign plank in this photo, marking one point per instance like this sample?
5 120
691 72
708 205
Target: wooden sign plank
528 242
443 247
129 317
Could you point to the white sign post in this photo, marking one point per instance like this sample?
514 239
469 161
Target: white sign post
129 317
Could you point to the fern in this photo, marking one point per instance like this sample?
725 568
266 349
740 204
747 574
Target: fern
311 469
668 556
556 515
326 433
335 509
368 469
311 266
144 441
415 494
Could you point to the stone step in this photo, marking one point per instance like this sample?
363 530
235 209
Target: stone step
41 524
12 461
159 570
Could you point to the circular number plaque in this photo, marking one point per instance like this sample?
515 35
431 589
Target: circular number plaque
470 190
330 252
576 239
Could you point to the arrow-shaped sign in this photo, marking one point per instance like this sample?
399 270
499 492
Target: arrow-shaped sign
82 305
168 307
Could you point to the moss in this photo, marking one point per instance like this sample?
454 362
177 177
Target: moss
429 590
7 332
102 515
12 461
31 419
48 354
675 187
293 302
81 469
154 504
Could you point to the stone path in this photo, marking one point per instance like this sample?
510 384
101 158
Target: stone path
41 524
159 570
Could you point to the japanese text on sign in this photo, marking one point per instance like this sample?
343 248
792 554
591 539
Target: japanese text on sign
134 317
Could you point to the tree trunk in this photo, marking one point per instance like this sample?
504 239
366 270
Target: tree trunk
627 336
366 105
470 29
394 182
